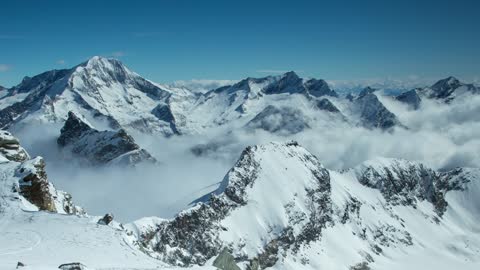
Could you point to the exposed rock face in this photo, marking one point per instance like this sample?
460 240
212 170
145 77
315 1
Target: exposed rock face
403 182
411 98
106 219
288 83
28 179
72 266
319 88
448 89
373 113
10 147
73 129
326 105
284 120
34 185
444 88
164 113
365 91
100 147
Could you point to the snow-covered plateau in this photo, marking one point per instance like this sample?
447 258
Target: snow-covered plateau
279 172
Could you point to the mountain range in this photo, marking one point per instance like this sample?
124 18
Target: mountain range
277 207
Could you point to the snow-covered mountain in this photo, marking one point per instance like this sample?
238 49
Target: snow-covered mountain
277 208
103 90
100 147
448 89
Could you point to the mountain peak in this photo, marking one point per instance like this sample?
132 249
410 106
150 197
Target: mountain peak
104 62
367 90
288 83
447 83
291 74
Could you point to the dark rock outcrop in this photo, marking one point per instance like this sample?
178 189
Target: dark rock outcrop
411 98
10 147
326 105
164 113
100 147
318 88
34 185
373 113
447 89
105 220
405 183
288 83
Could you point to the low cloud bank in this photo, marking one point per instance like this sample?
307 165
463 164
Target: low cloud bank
439 135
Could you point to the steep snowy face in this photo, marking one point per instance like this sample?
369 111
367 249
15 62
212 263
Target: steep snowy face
276 194
448 89
100 147
24 183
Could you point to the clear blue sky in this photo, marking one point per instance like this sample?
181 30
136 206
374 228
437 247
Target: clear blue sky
169 40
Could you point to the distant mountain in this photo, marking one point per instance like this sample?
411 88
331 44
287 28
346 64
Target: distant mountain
449 89
372 112
111 97
411 98
446 90
100 147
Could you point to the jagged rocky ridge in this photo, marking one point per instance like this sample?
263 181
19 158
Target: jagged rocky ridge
100 147
27 183
275 206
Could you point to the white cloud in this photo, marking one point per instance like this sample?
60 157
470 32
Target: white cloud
118 54
5 67
439 135
202 85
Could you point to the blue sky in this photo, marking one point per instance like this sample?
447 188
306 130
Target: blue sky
169 40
